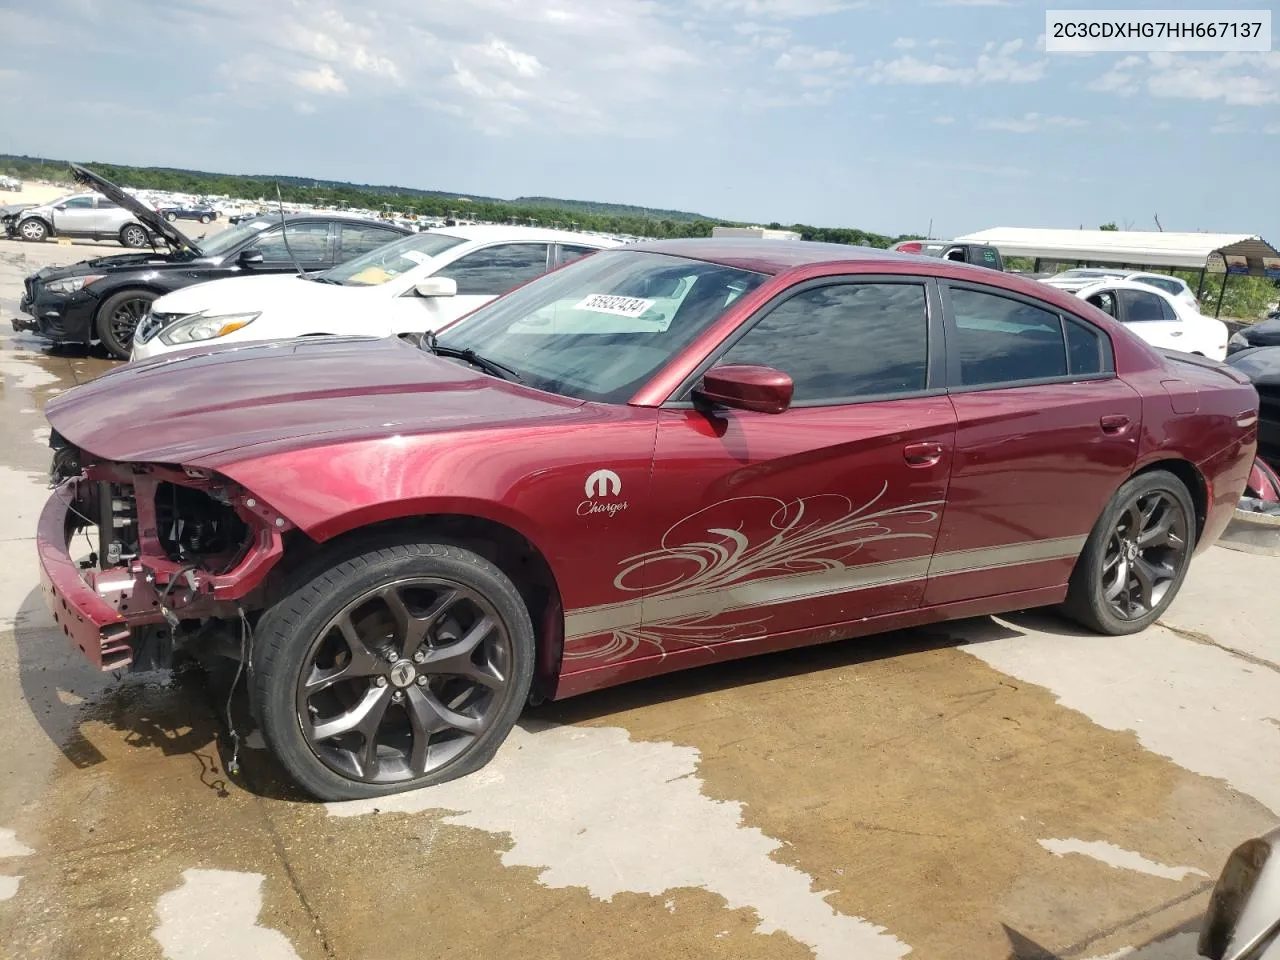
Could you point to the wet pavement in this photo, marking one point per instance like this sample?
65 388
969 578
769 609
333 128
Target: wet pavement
987 789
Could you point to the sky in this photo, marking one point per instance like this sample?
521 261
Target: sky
886 115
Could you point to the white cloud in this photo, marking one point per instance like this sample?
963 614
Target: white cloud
944 121
1235 79
811 60
905 43
997 63
780 9
322 79
1031 122
1272 129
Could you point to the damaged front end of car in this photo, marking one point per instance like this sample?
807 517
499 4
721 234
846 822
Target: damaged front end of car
173 558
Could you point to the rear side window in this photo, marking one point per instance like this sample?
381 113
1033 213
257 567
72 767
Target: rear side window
1001 340
1085 351
568 252
1104 301
1141 307
1166 308
844 341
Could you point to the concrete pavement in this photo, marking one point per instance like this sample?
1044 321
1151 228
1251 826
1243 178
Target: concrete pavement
991 788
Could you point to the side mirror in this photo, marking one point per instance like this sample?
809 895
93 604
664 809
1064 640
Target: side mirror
250 257
436 287
1242 918
61 206
747 387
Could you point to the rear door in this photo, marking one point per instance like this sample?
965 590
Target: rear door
1150 317
1046 432
767 524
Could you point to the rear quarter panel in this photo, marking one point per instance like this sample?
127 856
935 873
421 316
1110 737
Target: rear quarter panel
1204 416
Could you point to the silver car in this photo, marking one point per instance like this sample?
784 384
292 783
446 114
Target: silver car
78 215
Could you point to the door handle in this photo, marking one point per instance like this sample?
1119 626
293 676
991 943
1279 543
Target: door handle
1175 333
924 454
1115 424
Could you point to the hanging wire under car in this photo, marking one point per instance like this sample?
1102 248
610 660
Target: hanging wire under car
246 656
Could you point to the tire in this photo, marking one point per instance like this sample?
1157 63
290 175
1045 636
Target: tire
338 628
1146 578
205 219
33 230
134 236
171 217
118 318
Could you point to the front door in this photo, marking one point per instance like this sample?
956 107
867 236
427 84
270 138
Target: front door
76 217
1046 433
308 246
769 524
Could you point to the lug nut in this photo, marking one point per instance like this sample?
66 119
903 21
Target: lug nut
422 681
420 656
380 681
397 696
392 656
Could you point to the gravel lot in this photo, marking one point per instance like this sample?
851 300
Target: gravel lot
983 789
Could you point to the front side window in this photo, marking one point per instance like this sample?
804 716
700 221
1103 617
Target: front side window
1141 307
391 260
80 203
1000 340
230 239
307 241
604 325
1104 301
844 341
493 271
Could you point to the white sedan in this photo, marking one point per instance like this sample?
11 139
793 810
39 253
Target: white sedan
1081 277
1158 318
414 284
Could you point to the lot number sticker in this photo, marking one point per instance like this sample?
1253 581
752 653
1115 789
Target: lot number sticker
617 306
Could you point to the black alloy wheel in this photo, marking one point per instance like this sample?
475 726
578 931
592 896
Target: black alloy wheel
399 668
118 319
1137 556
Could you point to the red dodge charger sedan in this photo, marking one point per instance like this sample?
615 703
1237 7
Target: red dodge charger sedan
656 457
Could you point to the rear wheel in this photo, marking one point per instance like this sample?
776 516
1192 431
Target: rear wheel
118 319
33 230
1136 558
398 667
205 218
132 235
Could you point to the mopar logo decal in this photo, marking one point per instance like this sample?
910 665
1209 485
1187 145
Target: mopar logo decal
603 483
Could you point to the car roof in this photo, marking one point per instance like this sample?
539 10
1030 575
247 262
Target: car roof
490 232
771 256
1123 285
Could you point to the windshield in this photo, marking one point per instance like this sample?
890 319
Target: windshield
232 237
391 260
601 327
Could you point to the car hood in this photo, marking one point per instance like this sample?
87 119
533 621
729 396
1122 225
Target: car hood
126 261
206 406
157 223
14 208
251 293
1265 333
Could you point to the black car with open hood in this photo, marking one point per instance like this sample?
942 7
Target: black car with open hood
104 299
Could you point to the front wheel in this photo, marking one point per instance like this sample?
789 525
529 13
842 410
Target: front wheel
171 217
33 230
118 319
205 218
398 667
1136 557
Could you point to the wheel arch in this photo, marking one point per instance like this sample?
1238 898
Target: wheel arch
47 221
1191 477
509 549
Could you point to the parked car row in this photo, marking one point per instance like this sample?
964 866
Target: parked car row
10 183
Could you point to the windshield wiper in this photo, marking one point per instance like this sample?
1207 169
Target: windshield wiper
468 355
336 283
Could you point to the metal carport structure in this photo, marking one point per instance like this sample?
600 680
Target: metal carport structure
1229 253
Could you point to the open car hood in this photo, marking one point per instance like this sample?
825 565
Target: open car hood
176 238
